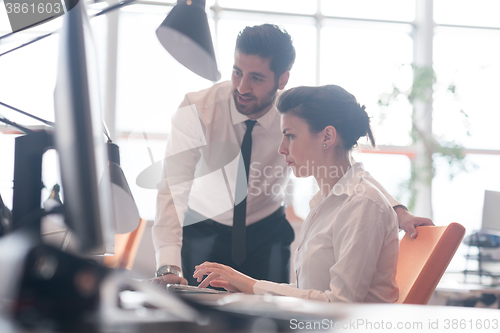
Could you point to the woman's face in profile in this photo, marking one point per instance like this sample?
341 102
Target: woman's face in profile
299 146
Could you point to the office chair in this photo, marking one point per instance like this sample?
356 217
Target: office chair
423 260
126 246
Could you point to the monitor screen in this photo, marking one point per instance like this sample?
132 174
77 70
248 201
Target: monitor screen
79 138
491 211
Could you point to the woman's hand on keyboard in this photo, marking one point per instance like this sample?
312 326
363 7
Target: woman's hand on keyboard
222 276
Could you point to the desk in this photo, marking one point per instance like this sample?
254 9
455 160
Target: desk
332 317
418 318
364 317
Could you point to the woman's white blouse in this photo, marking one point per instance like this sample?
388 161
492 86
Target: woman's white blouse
347 248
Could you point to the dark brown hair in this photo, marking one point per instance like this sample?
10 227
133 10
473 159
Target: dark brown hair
328 105
271 42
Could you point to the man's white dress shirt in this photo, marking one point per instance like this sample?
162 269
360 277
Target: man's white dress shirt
348 246
205 119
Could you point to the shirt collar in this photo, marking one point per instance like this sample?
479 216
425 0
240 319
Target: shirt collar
346 184
265 121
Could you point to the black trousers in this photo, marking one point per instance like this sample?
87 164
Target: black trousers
267 247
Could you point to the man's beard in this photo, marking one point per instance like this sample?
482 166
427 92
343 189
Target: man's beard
256 108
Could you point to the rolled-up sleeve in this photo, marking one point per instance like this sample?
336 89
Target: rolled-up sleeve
181 157
365 247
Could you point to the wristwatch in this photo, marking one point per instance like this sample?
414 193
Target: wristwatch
168 269
400 206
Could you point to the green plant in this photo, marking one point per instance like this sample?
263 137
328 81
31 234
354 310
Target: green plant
421 91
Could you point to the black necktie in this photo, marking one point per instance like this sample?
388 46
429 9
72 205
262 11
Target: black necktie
238 254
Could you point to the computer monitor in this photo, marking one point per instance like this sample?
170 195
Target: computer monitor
79 138
491 212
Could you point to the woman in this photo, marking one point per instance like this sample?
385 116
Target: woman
348 245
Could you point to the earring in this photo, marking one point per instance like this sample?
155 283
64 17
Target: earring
324 145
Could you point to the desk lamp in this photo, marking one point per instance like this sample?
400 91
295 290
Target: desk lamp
186 36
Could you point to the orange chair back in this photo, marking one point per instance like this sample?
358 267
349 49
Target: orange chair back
423 260
126 246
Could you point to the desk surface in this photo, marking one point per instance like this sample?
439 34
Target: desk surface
297 315
363 317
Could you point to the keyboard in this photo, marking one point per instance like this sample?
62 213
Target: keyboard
193 289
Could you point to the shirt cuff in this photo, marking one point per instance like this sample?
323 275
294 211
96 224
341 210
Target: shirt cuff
264 287
168 255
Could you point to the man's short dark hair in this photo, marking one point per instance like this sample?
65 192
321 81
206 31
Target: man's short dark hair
271 42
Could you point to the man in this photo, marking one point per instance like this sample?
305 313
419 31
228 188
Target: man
196 221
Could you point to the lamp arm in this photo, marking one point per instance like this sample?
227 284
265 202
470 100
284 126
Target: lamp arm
29 26
50 123
114 7
106 131
46 122
13 124
28 43
104 11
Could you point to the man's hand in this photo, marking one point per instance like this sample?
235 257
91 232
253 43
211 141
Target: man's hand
408 222
168 279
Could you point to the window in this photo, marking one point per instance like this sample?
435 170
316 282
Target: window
393 10
367 59
365 46
469 60
281 6
302 30
482 13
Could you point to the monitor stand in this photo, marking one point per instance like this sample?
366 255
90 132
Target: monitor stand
44 286
26 206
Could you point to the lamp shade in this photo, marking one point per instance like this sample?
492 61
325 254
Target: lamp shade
186 36
125 209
